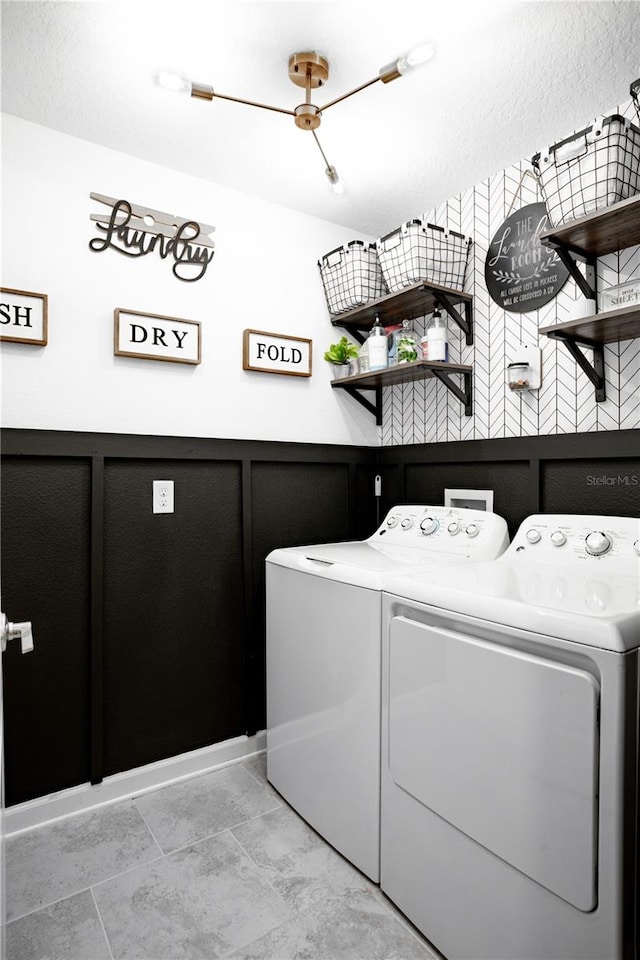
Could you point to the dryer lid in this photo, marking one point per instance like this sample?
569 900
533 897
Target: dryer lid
552 600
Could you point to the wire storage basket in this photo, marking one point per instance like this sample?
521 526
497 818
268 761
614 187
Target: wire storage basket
351 276
592 169
423 251
634 90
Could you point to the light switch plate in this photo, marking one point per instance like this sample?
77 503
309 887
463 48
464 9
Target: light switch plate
163 496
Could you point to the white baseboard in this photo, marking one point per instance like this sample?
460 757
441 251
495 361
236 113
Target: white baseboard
121 786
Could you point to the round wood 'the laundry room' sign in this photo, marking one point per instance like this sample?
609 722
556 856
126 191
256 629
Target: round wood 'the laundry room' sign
520 272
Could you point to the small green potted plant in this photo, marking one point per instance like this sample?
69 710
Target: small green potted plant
339 354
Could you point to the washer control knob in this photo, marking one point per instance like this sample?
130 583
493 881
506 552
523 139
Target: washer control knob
533 535
407 523
472 530
392 522
453 528
558 538
636 547
428 525
597 543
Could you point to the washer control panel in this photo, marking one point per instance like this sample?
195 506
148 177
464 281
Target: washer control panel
584 539
457 530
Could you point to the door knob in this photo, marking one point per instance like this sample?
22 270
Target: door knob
13 631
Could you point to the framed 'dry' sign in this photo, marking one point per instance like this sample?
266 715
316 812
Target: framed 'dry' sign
23 316
150 336
276 353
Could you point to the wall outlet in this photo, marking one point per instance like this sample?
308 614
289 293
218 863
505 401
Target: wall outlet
163 496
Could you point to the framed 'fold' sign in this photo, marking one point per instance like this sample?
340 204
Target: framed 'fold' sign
276 353
149 336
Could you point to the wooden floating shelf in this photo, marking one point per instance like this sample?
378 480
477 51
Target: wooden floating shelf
609 327
407 304
604 231
405 373
400 373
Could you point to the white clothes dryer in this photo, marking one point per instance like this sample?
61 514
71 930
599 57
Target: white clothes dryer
324 608
510 740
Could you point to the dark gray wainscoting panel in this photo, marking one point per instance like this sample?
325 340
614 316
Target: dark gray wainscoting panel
173 611
610 487
367 512
298 503
393 486
45 579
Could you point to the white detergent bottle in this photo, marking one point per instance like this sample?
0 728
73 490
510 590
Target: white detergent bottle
437 338
378 347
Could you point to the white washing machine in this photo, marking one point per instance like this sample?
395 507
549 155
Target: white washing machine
324 607
510 739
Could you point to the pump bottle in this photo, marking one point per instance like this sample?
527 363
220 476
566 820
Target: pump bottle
378 348
437 340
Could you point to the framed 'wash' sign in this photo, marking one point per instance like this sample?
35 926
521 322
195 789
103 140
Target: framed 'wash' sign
23 317
149 336
276 353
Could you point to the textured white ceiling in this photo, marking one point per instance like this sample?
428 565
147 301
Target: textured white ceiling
508 78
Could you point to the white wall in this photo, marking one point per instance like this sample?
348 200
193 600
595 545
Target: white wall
263 276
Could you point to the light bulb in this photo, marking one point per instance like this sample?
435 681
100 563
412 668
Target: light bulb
173 81
421 54
335 182
415 57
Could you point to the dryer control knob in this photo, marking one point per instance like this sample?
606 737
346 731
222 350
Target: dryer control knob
558 538
407 523
597 595
597 543
453 528
472 530
428 525
636 547
392 521
533 535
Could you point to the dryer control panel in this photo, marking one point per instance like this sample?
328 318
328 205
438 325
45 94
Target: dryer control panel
578 539
472 533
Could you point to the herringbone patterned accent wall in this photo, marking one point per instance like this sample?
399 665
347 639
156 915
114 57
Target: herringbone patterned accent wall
425 412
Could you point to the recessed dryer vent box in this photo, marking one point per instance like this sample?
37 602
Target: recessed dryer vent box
472 499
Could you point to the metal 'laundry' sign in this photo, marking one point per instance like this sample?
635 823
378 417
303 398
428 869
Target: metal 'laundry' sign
136 231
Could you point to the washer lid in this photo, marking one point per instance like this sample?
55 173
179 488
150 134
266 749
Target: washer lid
555 600
357 563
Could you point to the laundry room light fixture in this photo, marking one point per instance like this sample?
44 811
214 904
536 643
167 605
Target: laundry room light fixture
308 70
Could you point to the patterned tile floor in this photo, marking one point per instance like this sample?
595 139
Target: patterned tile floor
214 867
